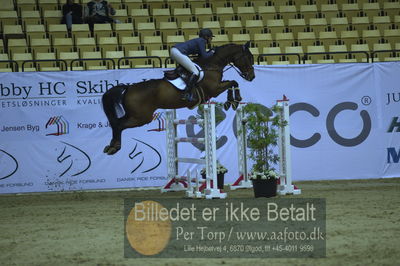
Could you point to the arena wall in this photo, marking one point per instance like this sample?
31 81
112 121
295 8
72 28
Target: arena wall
345 124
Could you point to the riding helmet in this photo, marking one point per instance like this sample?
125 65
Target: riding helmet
205 33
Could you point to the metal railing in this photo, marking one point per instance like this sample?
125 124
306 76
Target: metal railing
373 53
14 64
300 59
64 63
279 54
168 59
114 64
305 56
71 64
139 57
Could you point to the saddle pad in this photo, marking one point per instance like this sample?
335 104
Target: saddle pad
181 84
178 82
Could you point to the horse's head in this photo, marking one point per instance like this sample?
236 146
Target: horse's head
241 58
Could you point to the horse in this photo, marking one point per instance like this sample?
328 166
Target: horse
129 106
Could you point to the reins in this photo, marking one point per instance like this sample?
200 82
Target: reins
231 65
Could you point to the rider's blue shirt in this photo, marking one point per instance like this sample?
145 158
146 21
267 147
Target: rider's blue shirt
194 47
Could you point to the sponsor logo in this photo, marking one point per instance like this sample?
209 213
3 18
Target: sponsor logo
394 125
15 128
393 155
138 156
42 94
393 97
330 125
89 92
74 160
43 89
95 88
159 117
50 94
8 163
60 124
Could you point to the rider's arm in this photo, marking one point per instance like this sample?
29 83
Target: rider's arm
202 48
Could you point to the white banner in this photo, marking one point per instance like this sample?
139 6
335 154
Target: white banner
388 82
344 124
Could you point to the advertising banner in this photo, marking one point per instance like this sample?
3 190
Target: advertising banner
389 117
344 125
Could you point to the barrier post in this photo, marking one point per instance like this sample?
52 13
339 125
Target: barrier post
172 153
211 190
285 185
243 180
178 183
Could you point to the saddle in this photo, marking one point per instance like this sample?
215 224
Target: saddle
179 72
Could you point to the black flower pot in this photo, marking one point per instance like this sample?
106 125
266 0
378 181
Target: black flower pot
220 180
264 187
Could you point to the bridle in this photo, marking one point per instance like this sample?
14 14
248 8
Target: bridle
244 74
227 61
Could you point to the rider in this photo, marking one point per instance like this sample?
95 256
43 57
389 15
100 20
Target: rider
197 46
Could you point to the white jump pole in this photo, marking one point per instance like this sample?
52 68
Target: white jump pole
243 180
285 161
172 153
211 191
177 183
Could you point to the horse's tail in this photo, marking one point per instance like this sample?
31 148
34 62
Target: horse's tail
112 103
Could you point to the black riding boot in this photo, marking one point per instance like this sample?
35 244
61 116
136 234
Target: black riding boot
187 94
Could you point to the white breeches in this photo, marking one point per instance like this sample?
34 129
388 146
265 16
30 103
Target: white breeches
184 61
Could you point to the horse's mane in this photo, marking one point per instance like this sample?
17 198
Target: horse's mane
218 48
206 61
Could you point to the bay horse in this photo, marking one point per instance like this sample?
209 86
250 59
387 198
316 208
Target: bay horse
140 100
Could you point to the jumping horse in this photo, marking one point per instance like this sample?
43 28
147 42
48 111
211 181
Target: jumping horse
129 106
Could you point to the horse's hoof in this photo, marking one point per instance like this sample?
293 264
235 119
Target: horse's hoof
235 105
106 149
227 105
112 151
238 99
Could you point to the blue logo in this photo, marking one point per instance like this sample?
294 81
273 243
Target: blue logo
393 156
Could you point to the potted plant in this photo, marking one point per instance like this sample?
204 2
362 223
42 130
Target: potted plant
221 171
264 183
262 136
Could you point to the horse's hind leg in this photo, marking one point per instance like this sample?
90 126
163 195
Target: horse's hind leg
112 100
117 128
115 143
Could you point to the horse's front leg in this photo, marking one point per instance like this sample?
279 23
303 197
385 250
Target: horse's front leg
234 97
226 84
